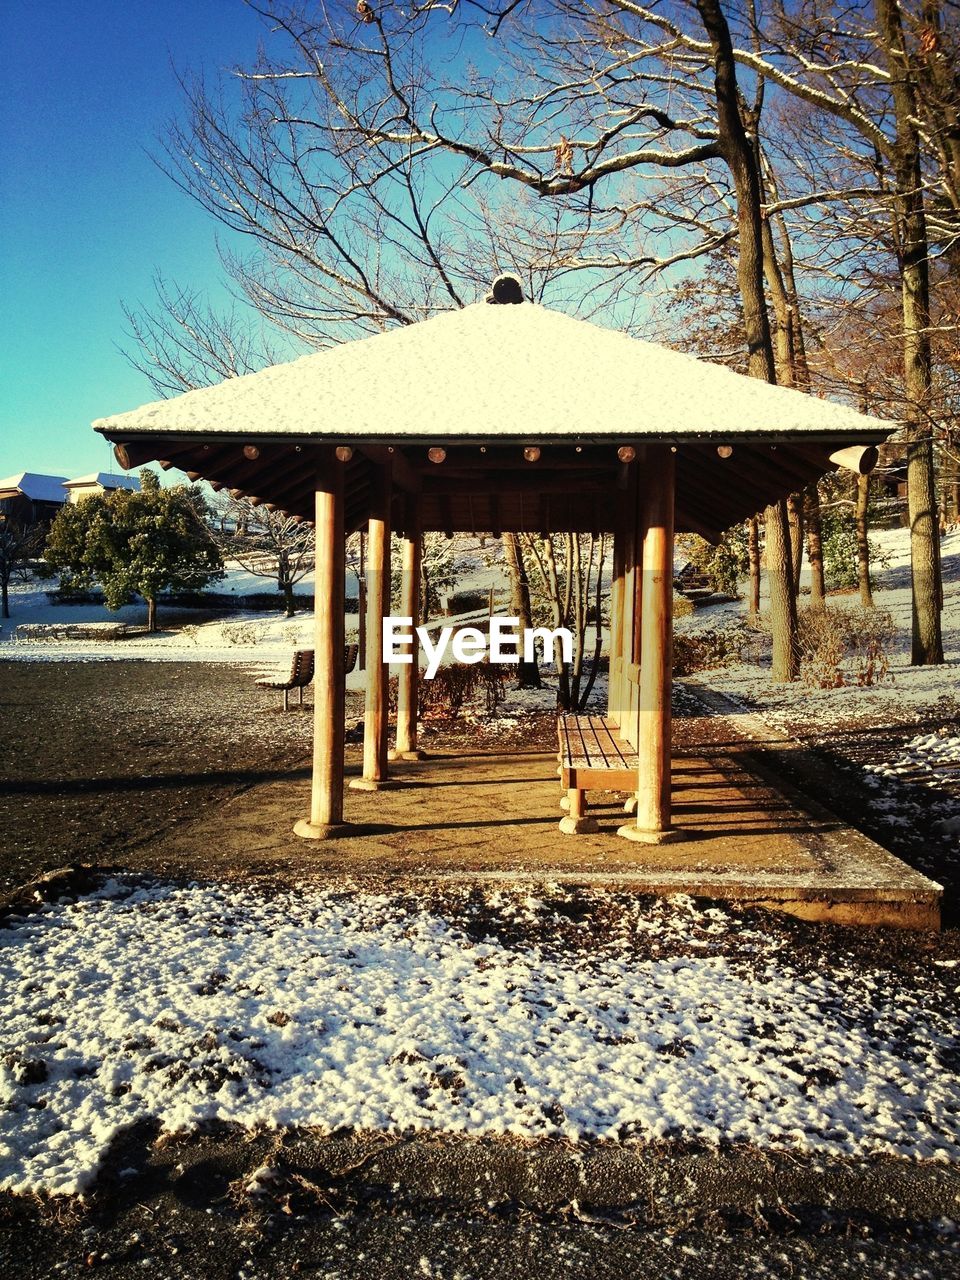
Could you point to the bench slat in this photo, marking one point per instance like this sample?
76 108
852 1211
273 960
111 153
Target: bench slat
590 742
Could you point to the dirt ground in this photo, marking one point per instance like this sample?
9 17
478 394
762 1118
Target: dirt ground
105 763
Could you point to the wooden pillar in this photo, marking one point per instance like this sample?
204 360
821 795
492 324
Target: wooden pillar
652 824
326 796
408 678
374 775
616 616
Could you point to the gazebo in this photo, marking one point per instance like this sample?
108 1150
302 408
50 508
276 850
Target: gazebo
504 415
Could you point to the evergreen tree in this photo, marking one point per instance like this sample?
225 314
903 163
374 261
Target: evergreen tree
135 544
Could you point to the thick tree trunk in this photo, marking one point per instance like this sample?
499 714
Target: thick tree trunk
753 557
528 673
863 542
740 156
738 153
151 614
818 585
795 518
927 640
288 601
783 604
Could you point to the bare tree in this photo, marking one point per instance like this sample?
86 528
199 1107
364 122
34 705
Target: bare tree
569 587
20 543
267 543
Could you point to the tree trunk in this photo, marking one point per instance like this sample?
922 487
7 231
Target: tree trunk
288 604
783 604
818 585
795 518
927 639
740 157
528 673
738 153
863 544
151 613
753 556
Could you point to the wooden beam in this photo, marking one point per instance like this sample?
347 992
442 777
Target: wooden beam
404 475
326 794
858 458
652 825
377 688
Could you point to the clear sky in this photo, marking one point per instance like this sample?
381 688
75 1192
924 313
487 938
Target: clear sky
85 215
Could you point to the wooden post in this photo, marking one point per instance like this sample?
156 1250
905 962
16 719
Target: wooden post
407 680
616 617
652 824
629 596
326 796
374 775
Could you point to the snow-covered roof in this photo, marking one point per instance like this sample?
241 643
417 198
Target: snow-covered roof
105 479
496 371
36 487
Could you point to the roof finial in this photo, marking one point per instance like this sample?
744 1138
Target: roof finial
506 289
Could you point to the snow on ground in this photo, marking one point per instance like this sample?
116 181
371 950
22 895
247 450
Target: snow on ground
335 1008
906 689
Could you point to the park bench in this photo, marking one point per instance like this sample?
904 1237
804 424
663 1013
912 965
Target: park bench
593 757
301 672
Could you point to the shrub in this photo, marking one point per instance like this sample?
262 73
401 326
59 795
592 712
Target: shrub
724 564
704 650
243 632
844 647
445 695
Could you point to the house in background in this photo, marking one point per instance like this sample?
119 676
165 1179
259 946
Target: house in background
32 498
98 482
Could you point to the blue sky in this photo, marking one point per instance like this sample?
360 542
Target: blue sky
85 215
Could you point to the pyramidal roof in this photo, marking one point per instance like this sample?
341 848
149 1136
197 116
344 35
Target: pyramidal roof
496 371
36 487
105 479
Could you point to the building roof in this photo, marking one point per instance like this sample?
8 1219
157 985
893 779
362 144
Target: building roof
36 487
496 372
500 417
105 479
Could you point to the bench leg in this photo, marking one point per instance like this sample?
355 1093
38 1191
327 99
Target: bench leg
577 823
301 694
286 699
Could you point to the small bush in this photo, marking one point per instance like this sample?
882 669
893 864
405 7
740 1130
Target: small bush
844 647
243 632
724 564
452 687
682 607
704 650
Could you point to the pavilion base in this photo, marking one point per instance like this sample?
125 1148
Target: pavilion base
630 831
372 784
393 754
308 830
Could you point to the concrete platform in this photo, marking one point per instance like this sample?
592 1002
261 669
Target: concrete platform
494 817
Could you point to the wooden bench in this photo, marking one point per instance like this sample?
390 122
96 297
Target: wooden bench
592 758
301 672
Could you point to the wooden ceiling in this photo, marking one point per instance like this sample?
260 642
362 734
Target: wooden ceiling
487 488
